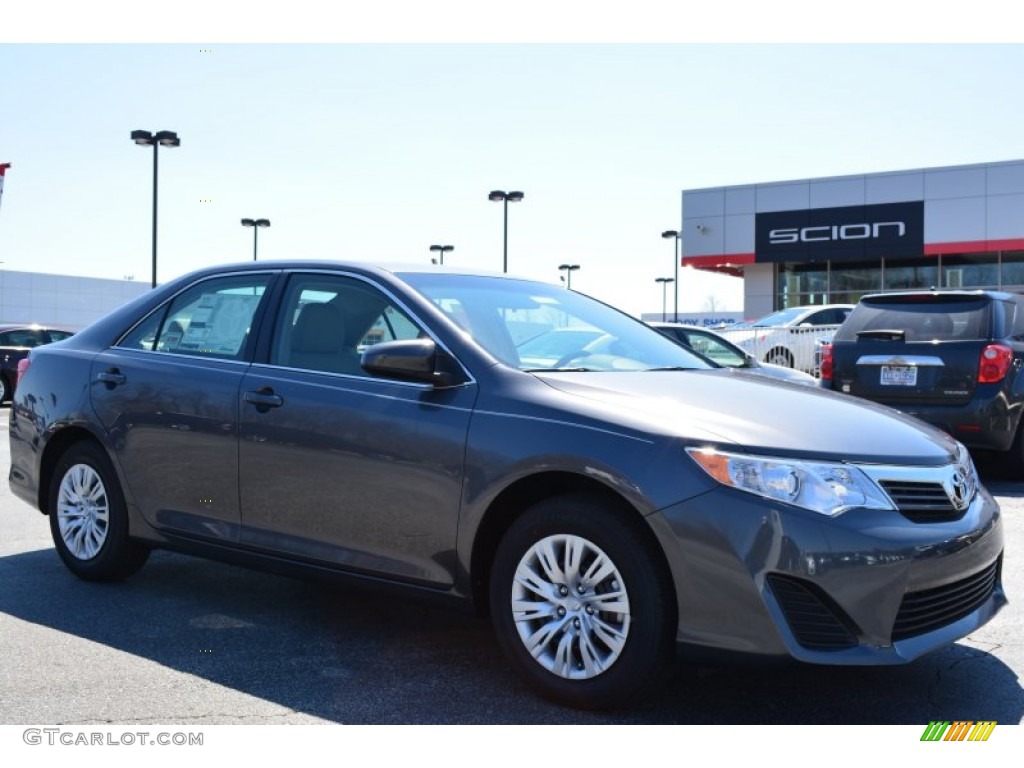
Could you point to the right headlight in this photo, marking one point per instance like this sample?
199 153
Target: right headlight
828 488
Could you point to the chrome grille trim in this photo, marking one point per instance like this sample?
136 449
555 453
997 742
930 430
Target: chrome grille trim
928 494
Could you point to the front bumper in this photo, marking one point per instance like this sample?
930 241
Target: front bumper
868 587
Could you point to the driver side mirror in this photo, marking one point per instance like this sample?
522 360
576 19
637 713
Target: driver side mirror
417 360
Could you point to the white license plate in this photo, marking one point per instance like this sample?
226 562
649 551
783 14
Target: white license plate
899 376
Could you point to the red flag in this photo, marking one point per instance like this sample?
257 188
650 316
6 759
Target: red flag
3 169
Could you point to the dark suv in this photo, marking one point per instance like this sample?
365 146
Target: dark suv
951 358
15 342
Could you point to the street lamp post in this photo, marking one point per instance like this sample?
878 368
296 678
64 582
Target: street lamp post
255 224
568 269
675 236
506 197
145 139
442 250
664 284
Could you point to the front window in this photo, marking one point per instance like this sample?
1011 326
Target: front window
327 321
539 327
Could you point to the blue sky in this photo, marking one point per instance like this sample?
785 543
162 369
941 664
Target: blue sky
375 151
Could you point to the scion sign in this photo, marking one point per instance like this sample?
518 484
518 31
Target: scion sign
892 230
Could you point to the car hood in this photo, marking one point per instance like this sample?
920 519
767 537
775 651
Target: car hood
759 414
782 372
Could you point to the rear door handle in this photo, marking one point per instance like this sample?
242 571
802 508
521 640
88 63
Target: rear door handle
111 377
263 399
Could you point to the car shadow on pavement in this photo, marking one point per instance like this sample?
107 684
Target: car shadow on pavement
351 655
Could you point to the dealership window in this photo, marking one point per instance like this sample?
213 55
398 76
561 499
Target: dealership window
852 279
970 270
1011 277
909 274
845 282
802 284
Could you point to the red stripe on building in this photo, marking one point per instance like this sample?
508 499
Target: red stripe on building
723 260
974 246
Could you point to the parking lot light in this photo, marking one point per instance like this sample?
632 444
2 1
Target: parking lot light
255 224
441 250
505 197
671 233
156 140
664 284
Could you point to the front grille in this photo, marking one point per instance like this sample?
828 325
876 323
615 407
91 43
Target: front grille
922 502
815 620
930 609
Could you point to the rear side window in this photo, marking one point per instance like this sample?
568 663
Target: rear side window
211 319
22 338
920 321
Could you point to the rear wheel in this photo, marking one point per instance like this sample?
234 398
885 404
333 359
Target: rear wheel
780 356
581 605
89 519
1011 462
5 390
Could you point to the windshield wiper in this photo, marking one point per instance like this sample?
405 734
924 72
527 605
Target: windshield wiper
670 368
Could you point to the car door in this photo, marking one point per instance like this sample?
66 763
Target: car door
167 394
340 467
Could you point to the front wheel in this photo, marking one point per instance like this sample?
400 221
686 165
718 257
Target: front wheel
89 519
582 605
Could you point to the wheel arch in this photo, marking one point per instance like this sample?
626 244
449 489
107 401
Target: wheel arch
56 446
523 494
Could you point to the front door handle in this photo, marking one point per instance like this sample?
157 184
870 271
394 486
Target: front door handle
263 399
111 377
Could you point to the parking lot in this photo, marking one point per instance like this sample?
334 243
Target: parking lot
187 641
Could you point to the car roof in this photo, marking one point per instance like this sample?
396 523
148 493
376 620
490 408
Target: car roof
33 327
896 295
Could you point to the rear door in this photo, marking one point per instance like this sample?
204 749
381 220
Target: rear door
905 350
168 395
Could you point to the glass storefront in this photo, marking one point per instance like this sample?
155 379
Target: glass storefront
843 282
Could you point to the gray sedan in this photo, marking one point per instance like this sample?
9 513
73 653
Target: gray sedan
727 354
378 425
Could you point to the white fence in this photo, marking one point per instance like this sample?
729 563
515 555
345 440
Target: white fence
794 347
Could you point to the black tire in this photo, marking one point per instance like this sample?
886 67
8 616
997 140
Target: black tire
89 519
574 664
5 390
1010 464
779 356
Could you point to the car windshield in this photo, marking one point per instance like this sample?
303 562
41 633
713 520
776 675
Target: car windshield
539 327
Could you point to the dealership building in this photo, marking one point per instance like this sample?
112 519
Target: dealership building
831 240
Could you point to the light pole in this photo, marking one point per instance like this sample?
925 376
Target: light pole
442 250
506 197
675 236
145 139
568 269
255 224
664 284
